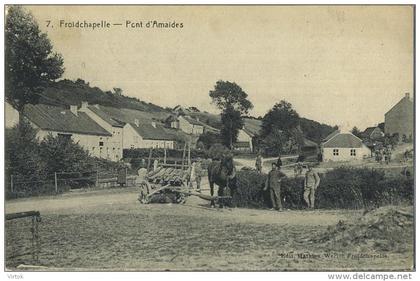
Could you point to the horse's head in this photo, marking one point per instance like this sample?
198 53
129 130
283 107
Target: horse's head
227 164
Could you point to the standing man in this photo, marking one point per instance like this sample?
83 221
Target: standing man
311 183
258 163
279 162
198 174
273 185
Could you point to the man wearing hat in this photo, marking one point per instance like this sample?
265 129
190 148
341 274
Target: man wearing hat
273 184
195 174
311 183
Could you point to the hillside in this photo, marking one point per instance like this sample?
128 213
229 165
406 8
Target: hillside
67 92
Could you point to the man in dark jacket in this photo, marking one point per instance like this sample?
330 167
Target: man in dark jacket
279 162
273 184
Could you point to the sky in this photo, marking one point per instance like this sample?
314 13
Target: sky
339 65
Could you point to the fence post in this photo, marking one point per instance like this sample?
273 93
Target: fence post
11 183
164 155
55 182
126 178
97 179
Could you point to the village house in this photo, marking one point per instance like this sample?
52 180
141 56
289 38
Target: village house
344 147
112 125
372 133
146 135
400 119
71 123
11 115
244 140
187 124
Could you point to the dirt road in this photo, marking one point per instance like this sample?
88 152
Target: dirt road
110 230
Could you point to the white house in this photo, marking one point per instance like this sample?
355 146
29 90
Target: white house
112 125
344 147
71 123
146 135
188 125
244 140
11 115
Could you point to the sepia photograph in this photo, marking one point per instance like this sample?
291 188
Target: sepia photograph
203 138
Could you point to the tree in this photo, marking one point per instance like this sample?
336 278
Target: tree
30 63
355 131
278 128
231 124
281 117
233 102
208 139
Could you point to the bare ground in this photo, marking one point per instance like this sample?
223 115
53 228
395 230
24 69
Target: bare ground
110 230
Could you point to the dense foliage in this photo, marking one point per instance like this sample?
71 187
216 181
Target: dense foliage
206 140
315 131
30 63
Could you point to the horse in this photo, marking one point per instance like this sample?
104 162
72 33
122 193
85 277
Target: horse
223 174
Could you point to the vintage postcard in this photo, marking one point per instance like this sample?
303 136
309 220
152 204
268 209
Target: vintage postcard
209 138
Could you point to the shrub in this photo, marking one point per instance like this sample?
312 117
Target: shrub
341 188
250 191
33 164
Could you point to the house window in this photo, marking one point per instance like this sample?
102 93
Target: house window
101 143
335 152
352 152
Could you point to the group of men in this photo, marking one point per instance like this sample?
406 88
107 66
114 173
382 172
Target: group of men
274 181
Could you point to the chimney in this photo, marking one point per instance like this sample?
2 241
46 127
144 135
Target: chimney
84 105
73 109
154 124
136 121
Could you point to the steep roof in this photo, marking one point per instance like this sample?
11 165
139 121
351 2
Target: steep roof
246 130
406 99
130 115
53 118
193 121
253 126
106 117
343 140
309 143
331 135
369 131
148 132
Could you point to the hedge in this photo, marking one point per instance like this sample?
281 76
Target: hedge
341 188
